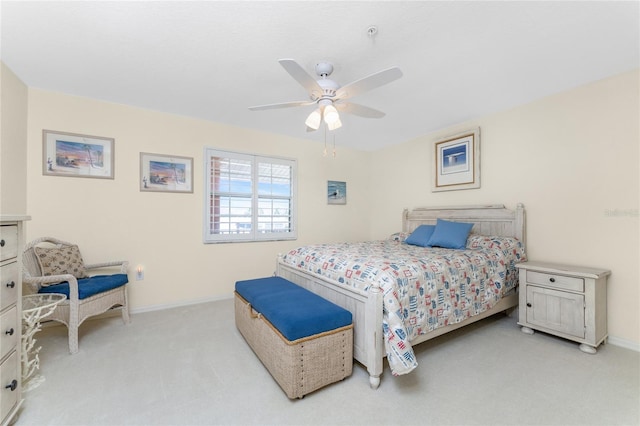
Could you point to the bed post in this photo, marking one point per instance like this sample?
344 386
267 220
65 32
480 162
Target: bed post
374 338
520 224
278 260
405 220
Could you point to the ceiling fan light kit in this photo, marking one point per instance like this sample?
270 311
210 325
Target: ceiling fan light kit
334 124
327 94
314 119
330 114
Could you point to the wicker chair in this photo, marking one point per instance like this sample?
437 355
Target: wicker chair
86 297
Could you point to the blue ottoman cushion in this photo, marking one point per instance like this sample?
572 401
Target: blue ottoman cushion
250 290
293 310
88 287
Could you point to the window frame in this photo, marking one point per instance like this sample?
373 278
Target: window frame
254 235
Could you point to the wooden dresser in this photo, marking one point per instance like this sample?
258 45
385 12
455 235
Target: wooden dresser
11 245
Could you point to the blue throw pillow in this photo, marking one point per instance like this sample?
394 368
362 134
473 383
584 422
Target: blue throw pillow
420 236
450 234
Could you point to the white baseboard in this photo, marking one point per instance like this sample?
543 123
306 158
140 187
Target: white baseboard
623 343
116 312
179 304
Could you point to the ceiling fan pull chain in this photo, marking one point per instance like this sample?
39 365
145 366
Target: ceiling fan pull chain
334 145
325 142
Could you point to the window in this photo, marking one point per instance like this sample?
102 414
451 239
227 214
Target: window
248 197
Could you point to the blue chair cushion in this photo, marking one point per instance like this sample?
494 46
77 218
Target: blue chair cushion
88 287
293 310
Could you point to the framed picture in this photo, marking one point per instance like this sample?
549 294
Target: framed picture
457 162
75 155
336 192
165 173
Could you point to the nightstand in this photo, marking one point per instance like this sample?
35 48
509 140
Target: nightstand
564 300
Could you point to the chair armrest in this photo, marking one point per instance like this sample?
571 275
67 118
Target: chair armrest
48 279
54 279
123 264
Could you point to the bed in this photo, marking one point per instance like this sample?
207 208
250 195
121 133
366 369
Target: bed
399 298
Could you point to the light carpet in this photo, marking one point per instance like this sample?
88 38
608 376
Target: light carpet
190 366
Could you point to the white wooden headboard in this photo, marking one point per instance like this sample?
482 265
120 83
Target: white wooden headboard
494 219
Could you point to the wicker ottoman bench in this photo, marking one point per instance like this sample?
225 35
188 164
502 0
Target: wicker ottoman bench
304 341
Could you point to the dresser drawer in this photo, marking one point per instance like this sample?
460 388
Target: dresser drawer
8 284
8 242
9 331
8 376
556 281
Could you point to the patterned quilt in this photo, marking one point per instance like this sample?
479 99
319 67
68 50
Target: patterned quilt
424 288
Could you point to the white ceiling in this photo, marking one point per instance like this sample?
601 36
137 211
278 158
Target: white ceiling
212 60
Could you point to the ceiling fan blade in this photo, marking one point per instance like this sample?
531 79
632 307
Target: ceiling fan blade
359 110
369 82
281 105
302 77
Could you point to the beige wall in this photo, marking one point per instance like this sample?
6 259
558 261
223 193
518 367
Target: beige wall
572 159
13 143
112 219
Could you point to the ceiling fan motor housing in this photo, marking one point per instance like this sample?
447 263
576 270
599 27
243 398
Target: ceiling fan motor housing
324 69
329 87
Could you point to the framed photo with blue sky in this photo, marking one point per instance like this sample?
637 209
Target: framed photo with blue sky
165 173
76 155
457 162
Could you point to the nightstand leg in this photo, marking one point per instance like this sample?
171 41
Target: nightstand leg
527 330
587 349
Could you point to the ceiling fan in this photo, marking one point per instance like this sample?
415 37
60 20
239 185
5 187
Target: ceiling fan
329 96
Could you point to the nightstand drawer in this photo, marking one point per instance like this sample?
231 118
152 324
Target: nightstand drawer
556 281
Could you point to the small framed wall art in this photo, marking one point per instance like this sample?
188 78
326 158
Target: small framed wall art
457 162
76 155
165 173
336 192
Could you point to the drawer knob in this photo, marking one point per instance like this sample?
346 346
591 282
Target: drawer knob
9 332
528 305
12 284
1 243
13 385
553 280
